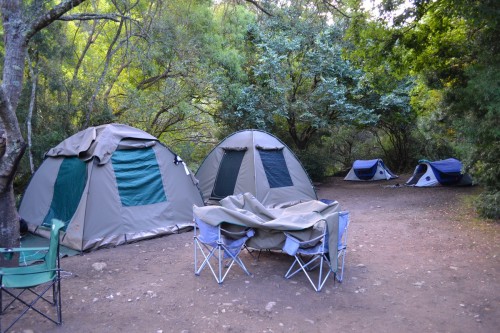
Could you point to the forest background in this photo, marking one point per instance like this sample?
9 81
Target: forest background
335 80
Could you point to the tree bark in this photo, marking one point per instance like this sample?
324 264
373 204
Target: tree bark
13 151
10 91
18 28
34 84
9 223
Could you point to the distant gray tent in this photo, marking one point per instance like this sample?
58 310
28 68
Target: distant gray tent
369 170
256 162
111 184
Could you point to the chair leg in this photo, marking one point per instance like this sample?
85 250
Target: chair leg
197 270
1 307
322 279
220 278
236 259
289 273
31 305
59 296
206 262
59 301
306 267
232 259
342 255
320 273
218 251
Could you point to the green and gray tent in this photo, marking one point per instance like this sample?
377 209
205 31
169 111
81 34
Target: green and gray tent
256 162
110 184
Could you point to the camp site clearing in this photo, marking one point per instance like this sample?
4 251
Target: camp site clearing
418 260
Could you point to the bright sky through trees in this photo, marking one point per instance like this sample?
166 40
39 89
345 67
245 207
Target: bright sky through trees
373 6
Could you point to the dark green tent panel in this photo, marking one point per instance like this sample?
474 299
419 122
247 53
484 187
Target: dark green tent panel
68 190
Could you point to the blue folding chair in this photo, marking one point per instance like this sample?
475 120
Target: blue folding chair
218 244
313 253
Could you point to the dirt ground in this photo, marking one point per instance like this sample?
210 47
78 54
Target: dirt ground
418 261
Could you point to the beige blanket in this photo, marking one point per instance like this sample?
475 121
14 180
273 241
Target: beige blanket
303 220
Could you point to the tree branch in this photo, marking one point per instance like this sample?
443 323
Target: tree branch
259 7
45 19
90 17
336 8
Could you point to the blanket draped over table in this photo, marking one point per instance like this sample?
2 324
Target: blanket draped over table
304 220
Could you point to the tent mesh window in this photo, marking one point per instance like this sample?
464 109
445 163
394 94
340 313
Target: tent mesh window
275 167
138 177
68 190
228 173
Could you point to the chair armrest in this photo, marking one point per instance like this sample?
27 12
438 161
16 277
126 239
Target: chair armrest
22 249
292 244
238 234
8 252
235 231
29 271
305 243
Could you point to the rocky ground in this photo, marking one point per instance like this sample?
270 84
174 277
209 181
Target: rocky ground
418 260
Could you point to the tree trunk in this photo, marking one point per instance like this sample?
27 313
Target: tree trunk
10 91
17 31
14 150
9 224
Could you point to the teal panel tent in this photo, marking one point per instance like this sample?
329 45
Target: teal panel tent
110 185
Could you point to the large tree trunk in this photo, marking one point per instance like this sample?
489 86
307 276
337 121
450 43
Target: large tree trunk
10 91
18 28
9 231
9 228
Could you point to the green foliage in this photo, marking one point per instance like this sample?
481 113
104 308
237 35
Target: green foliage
398 124
478 108
345 144
416 83
154 72
315 162
454 46
298 79
390 76
488 204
